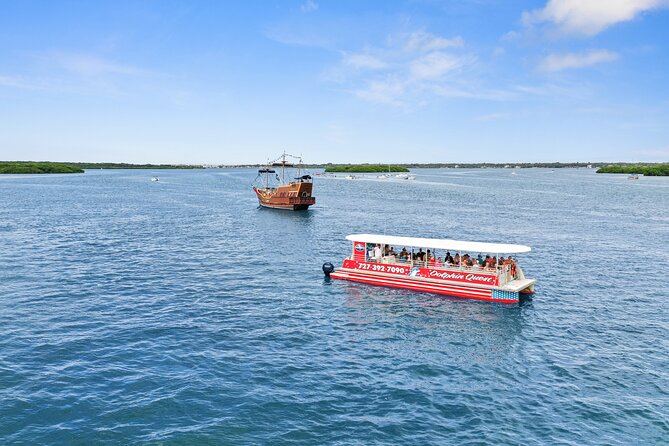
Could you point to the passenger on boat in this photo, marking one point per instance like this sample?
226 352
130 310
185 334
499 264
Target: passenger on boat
392 252
377 252
456 260
420 255
449 259
513 268
438 263
404 254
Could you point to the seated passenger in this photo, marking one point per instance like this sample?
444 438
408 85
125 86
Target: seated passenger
420 255
404 254
456 260
438 263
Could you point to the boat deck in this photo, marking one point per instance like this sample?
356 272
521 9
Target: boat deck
518 284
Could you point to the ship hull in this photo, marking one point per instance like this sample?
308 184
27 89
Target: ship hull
290 197
469 284
288 207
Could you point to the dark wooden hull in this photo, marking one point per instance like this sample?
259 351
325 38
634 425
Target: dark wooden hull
292 196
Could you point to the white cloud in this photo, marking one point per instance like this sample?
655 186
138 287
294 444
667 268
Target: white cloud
559 62
589 17
386 91
435 65
309 6
422 41
408 66
364 61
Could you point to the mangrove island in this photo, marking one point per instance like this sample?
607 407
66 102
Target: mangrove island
20 167
653 170
365 168
32 167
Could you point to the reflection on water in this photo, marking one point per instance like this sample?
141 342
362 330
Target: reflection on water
484 329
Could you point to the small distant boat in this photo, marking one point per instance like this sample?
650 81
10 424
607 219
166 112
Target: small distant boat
350 177
514 173
155 179
633 176
382 177
405 176
273 191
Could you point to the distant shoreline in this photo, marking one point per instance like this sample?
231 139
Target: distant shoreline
365 168
46 167
655 170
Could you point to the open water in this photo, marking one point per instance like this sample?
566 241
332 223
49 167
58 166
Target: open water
178 312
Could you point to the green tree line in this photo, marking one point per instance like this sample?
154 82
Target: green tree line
16 167
657 170
365 168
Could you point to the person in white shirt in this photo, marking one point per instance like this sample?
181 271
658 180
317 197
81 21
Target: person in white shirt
377 252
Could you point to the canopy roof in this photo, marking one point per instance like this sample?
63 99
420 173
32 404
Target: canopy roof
435 243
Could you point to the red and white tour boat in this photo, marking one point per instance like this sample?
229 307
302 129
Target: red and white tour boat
373 262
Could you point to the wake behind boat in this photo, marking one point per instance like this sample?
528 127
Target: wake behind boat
374 261
273 191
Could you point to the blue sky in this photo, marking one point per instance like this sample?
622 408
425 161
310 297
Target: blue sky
335 81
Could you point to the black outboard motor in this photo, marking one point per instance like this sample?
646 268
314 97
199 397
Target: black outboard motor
328 268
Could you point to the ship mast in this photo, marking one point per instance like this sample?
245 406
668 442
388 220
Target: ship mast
283 167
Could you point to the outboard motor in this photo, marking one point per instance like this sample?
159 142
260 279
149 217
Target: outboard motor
328 268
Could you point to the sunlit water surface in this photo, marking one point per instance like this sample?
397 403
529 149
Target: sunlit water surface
178 312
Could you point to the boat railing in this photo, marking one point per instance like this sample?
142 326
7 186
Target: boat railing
503 272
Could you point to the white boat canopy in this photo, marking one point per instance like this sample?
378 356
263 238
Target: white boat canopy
435 243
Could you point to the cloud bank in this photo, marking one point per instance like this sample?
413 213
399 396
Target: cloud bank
406 66
559 62
589 17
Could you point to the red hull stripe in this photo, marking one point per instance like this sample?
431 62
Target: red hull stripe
468 293
463 289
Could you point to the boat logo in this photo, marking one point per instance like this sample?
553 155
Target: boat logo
359 247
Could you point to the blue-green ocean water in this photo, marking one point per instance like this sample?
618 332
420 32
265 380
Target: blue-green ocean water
178 312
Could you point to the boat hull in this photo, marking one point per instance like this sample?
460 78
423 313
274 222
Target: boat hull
289 207
463 290
292 197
